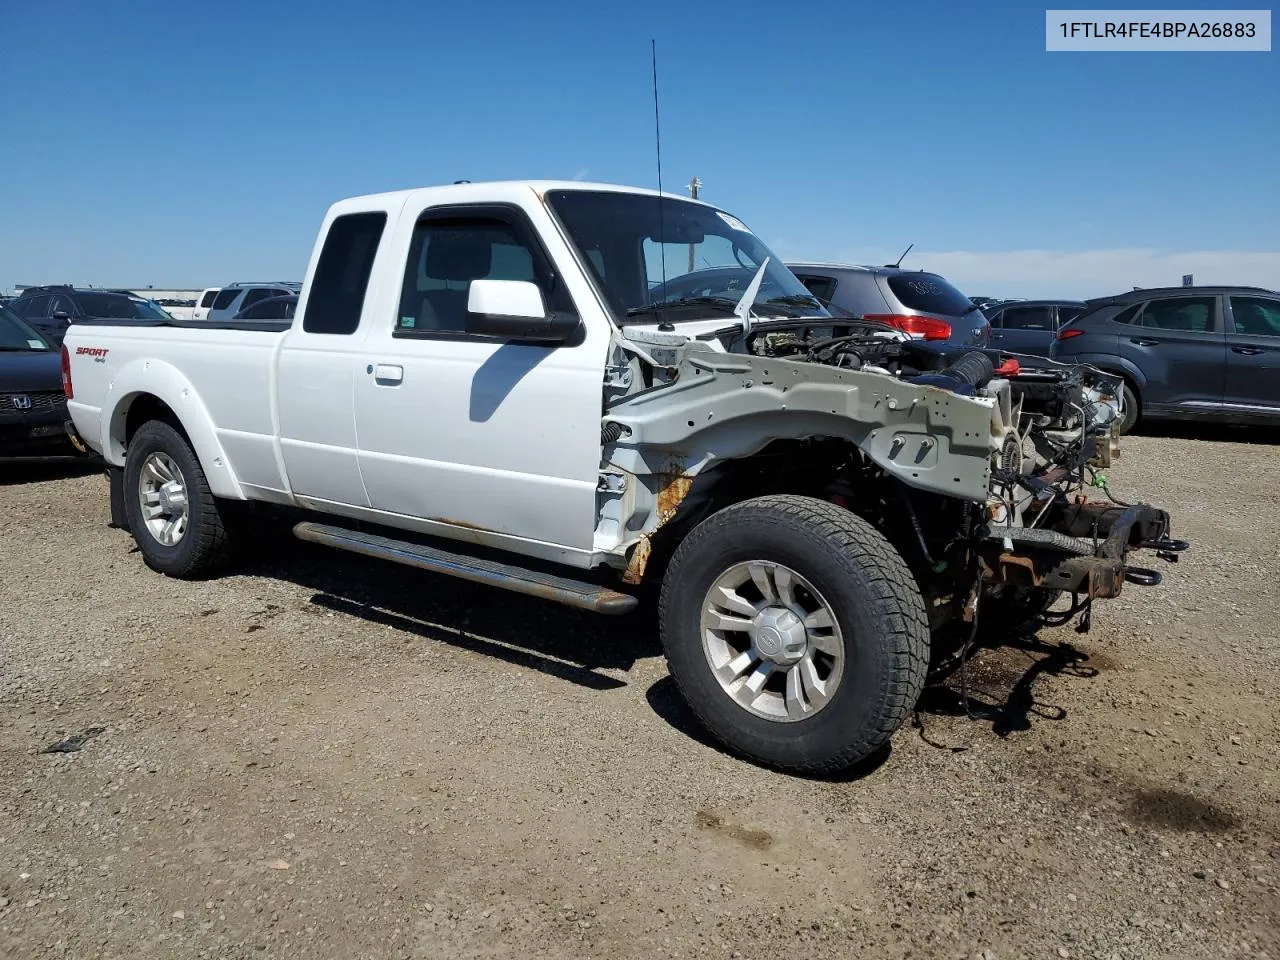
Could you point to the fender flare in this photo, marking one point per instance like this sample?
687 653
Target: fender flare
156 378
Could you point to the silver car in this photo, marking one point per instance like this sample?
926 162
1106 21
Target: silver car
238 297
921 304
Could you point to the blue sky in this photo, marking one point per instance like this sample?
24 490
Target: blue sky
197 144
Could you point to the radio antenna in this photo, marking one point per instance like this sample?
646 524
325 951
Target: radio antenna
657 139
901 258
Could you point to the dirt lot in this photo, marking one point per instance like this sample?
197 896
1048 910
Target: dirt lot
324 757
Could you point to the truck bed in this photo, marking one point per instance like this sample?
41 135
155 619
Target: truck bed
224 371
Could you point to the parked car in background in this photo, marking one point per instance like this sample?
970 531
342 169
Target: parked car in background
178 309
1028 326
33 410
204 302
921 304
232 299
1184 352
52 309
272 308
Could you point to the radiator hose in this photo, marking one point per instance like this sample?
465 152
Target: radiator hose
962 377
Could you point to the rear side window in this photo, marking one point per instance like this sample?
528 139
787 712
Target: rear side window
1067 314
928 293
225 298
1191 314
824 288
342 275
207 299
1027 318
1255 316
1127 314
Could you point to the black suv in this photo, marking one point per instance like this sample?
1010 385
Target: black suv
52 309
1184 352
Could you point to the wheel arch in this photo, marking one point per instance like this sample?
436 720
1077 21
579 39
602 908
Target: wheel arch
154 390
812 466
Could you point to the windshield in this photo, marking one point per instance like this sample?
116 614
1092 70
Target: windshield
685 261
119 307
16 335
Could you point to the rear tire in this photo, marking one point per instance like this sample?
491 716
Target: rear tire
833 567
180 529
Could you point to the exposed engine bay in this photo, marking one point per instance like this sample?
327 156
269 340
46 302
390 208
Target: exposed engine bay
976 464
1053 426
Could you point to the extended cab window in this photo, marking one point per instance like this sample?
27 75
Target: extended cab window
342 275
448 252
1194 314
207 299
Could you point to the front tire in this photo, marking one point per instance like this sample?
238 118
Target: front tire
176 522
795 632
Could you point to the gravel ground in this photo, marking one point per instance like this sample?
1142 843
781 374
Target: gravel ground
325 757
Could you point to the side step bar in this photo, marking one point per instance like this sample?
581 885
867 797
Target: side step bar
574 593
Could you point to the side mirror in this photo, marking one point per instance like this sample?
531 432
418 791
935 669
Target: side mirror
513 310
61 315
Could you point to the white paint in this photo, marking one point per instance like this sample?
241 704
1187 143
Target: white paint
472 433
506 298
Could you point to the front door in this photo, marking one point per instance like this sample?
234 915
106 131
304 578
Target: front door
1178 344
1253 355
471 431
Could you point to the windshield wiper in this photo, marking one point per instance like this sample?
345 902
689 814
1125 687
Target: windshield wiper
724 303
799 300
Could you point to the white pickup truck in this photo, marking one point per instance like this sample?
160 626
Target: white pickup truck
613 387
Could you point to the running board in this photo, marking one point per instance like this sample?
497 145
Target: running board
574 593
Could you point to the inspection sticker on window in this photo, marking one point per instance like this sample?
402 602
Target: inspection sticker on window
35 344
1157 30
733 222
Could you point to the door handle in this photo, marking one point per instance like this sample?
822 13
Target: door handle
1143 341
387 373
997 336
1247 351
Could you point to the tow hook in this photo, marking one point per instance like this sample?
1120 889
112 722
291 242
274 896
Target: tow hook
1167 549
1143 576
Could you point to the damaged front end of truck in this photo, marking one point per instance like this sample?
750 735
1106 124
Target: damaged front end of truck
985 475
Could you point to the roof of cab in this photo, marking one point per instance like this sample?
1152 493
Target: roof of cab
538 187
